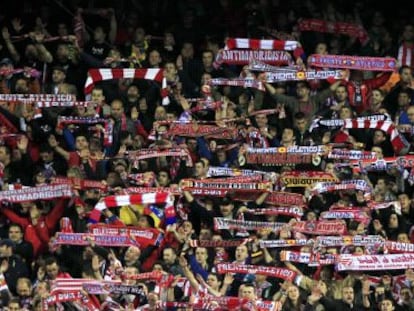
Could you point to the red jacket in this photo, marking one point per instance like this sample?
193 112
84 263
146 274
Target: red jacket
362 104
39 235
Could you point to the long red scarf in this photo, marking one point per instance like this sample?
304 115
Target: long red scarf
343 28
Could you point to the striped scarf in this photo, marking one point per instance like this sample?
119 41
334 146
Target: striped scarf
406 55
101 74
133 199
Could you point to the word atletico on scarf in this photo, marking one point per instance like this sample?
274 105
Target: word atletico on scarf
282 155
280 273
85 239
37 97
365 63
279 74
323 227
143 236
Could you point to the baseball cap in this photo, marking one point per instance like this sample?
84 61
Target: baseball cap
7 242
6 61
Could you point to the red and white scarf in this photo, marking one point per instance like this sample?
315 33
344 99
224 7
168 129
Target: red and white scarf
261 44
356 240
285 243
305 179
108 125
280 273
292 211
188 130
79 183
47 192
102 74
83 239
406 55
37 97
240 82
243 57
375 262
121 200
221 223
365 63
322 227
350 29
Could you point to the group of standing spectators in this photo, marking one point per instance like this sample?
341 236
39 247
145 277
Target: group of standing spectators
48 47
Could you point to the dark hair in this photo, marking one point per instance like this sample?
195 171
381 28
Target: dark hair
51 260
304 83
300 115
45 147
13 224
15 300
150 220
402 68
165 170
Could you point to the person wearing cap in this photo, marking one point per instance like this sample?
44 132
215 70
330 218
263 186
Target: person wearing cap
12 266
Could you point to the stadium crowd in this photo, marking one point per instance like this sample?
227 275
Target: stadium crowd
206 155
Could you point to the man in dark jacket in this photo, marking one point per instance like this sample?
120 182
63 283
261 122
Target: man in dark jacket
12 266
347 303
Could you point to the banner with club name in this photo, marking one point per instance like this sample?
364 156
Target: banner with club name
366 63
321 227
145 237
305 178
348 262
37 97
85 239
280 273
48 192
221 223
356 240
244 56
